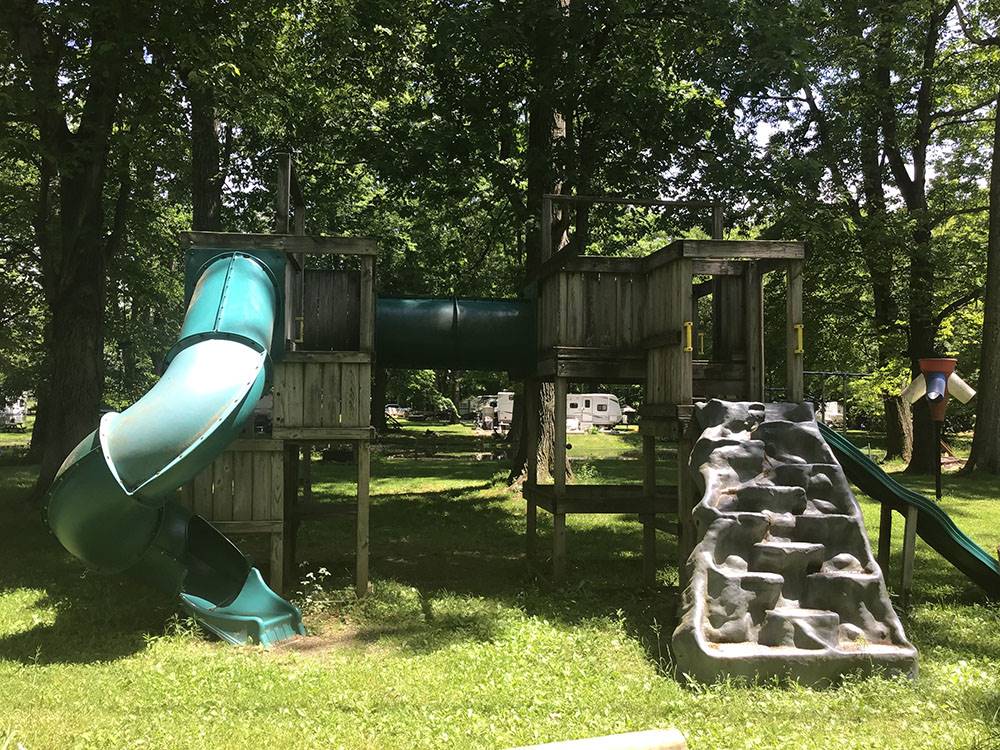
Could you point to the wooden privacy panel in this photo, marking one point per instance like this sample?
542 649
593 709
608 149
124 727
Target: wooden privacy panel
668 307
245 483
331 306
591 309
315 391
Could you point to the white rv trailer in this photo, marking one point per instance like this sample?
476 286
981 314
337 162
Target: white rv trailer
12 415
588 410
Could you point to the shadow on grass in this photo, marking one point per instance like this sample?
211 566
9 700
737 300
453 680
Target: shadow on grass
79 616
469 543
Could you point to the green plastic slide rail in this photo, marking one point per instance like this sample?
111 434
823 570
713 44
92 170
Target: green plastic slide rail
934 526
113 502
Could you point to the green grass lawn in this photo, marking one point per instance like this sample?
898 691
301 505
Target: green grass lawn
461 644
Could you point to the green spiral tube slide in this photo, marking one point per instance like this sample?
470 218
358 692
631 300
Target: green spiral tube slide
113 504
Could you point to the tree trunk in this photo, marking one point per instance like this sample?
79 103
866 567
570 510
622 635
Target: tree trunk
206 177
985 454
898 428
76 356
545 124
925 445
545 417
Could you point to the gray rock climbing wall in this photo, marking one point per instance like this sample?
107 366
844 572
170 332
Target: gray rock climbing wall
782 581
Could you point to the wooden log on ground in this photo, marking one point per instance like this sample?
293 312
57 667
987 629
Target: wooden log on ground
652 739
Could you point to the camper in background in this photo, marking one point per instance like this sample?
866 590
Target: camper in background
583 411
586 410
12 416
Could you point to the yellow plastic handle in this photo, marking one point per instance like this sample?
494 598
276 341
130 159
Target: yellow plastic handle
688 336
302 330
701 343
799 338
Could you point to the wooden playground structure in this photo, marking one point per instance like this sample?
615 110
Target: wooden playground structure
598 320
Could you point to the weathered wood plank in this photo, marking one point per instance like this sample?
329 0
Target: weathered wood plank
247 527
261 503
329 357
312 393
366 321
754 334
255 444
362 522
290 243
277 487
243 479
350 392
307 434
725 249
222 487
702 267
288 394
795 360
202 492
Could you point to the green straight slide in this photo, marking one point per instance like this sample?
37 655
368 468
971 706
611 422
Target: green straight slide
113 503
933 525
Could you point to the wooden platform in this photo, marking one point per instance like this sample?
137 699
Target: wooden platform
604 498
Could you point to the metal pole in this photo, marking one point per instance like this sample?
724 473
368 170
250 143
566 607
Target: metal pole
937 460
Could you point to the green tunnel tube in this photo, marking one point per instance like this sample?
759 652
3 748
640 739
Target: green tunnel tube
458 334
113 503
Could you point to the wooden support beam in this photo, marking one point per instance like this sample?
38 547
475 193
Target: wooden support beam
884 539
367 306
753 299
559 480
307 484
329 357
324 434
795 359
282 195
558 547
361 585
649 521
909 553
685 505
289 243
531 480
277 581
546 228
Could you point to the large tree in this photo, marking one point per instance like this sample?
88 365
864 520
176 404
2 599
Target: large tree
985 455
75 61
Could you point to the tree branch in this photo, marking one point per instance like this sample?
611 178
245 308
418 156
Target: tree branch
956 305
963 20
941 218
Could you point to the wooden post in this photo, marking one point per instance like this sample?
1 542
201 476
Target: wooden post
367 311
884 538
307 482
754 301
531 480
283 194
277 581
546 229
290 521
649 520
718 221
909 552
559 479
685 504
364 473
795 389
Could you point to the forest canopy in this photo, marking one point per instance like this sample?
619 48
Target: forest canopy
866 129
